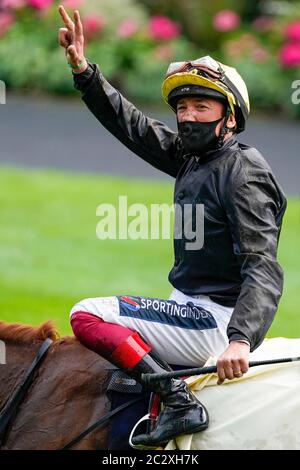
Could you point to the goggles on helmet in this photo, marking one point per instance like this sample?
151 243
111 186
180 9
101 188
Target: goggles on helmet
207 72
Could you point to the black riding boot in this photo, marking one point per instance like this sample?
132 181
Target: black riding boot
182 412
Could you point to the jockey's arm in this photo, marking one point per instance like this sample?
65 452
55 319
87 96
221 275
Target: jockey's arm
254 210
150 139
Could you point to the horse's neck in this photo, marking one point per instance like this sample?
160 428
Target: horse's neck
18 359
67 396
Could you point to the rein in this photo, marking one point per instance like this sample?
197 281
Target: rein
99 423
10 409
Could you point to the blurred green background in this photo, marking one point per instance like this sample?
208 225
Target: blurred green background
49 254
51 258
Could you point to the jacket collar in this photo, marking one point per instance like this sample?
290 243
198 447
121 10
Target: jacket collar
231 143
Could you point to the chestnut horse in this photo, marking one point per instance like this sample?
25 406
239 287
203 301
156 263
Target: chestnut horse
66 396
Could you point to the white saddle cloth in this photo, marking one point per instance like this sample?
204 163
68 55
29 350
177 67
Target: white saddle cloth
259 411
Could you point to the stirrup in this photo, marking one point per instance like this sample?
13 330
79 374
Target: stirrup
140 446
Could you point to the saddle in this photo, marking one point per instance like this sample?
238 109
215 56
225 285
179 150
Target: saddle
121 389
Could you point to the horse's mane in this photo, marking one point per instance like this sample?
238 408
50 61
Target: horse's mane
25 333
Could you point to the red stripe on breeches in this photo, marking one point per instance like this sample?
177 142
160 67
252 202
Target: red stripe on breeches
118 344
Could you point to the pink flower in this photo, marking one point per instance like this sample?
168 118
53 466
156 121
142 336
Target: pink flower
127 28
260 55
263 23
226 20
293 31
7 19
13 4
161 27
93 25
289 55
73 4
40 4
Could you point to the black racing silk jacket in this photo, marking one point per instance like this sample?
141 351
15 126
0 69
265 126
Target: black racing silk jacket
243 210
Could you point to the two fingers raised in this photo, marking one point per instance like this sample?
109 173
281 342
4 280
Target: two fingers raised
72 26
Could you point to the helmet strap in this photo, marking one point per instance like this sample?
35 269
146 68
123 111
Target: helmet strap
224 129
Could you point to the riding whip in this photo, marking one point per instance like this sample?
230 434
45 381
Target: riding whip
149 378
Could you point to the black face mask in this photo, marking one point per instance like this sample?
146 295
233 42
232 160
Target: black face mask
198 137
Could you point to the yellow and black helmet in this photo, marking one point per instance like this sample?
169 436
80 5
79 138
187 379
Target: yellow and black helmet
207 77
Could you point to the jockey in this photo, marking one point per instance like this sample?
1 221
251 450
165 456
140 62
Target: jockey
225 293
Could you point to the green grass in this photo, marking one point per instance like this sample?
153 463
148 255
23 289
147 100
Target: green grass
50 256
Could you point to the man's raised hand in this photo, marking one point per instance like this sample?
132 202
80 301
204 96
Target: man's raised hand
72 39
